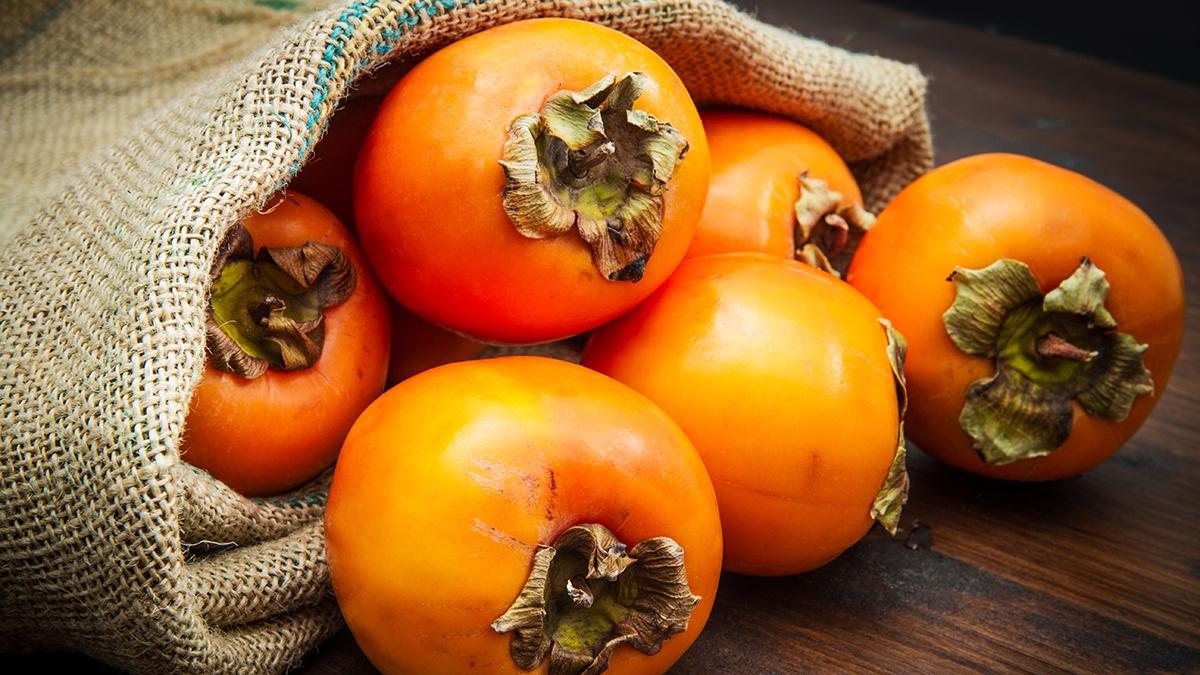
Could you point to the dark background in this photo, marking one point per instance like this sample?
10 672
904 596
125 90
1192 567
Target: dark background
1150 35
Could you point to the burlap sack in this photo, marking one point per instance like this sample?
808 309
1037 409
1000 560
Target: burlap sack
132 137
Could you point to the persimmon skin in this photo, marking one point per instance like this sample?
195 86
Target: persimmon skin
450 480
428 184
757 160
266 435
418 345
974 211
779 374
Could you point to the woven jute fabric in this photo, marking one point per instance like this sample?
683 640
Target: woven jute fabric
133 136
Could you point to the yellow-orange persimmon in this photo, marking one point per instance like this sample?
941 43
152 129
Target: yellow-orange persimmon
1043 393
271 425
453 481
785 379
564 235
758 161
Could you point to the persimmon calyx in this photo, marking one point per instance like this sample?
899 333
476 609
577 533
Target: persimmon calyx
587 595
1048 350
826 236
894 492
589 161
267 311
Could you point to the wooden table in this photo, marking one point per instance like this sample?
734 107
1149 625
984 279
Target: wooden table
1098 573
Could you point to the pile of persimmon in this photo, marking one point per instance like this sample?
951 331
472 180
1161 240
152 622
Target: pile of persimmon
739 406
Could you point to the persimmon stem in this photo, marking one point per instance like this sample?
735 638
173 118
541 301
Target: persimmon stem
827 235
1051 345
1050 350
588 594
268 311
582 161
261 311
591 163
580 592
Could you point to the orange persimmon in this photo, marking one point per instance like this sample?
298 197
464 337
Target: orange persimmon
1043 313
786 379
508 191
761 167
291 365
459 486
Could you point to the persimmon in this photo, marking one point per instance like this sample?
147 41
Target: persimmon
777 188
418 345
788 382
298 340
532 181
496 514
1043 313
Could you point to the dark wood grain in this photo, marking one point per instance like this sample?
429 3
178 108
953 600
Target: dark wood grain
1098 573
882 606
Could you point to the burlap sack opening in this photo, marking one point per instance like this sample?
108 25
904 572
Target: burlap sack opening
108 543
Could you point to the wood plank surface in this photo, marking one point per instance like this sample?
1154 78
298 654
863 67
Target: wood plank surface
1095 574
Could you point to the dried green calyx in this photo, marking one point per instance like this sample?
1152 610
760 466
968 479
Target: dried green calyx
586 595
268 311
1049 351
894 493
589 161
826 236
